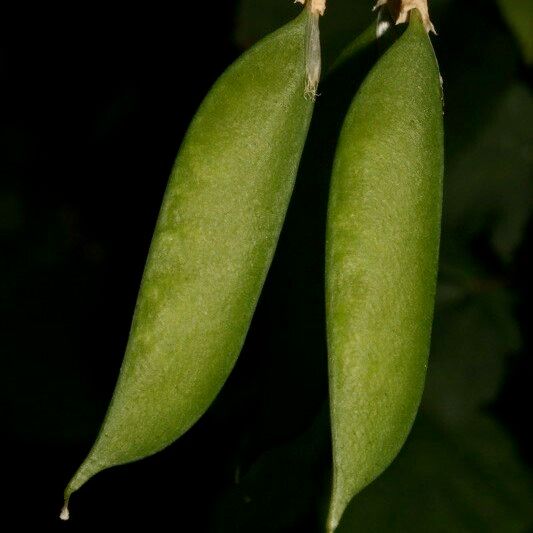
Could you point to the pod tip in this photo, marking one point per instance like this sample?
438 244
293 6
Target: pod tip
316 6
336 510
65 514
331 525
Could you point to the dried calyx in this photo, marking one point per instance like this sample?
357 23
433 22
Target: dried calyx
313 61
316 6
399 10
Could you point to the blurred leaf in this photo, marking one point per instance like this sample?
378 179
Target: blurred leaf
11 212
446 481
471 339
490 183
280 489
460 272
519 16
478 63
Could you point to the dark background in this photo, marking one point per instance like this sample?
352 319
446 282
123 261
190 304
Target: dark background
94 105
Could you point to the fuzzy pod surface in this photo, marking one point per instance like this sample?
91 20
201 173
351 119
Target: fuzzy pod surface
382 245
215 238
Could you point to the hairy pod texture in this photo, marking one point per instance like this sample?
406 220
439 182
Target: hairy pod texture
216 235
383 235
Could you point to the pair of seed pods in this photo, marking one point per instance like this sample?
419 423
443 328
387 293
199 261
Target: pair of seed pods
216 235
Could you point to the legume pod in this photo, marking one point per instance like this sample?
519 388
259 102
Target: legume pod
216 234
382 247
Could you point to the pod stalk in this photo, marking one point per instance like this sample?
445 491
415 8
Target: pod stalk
400 9
315 6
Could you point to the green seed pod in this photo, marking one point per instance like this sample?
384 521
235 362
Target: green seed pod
382 247
216 234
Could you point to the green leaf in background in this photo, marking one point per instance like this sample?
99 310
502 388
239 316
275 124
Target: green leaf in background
471 339
489 183
446 481
281 489
519 17
478 63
